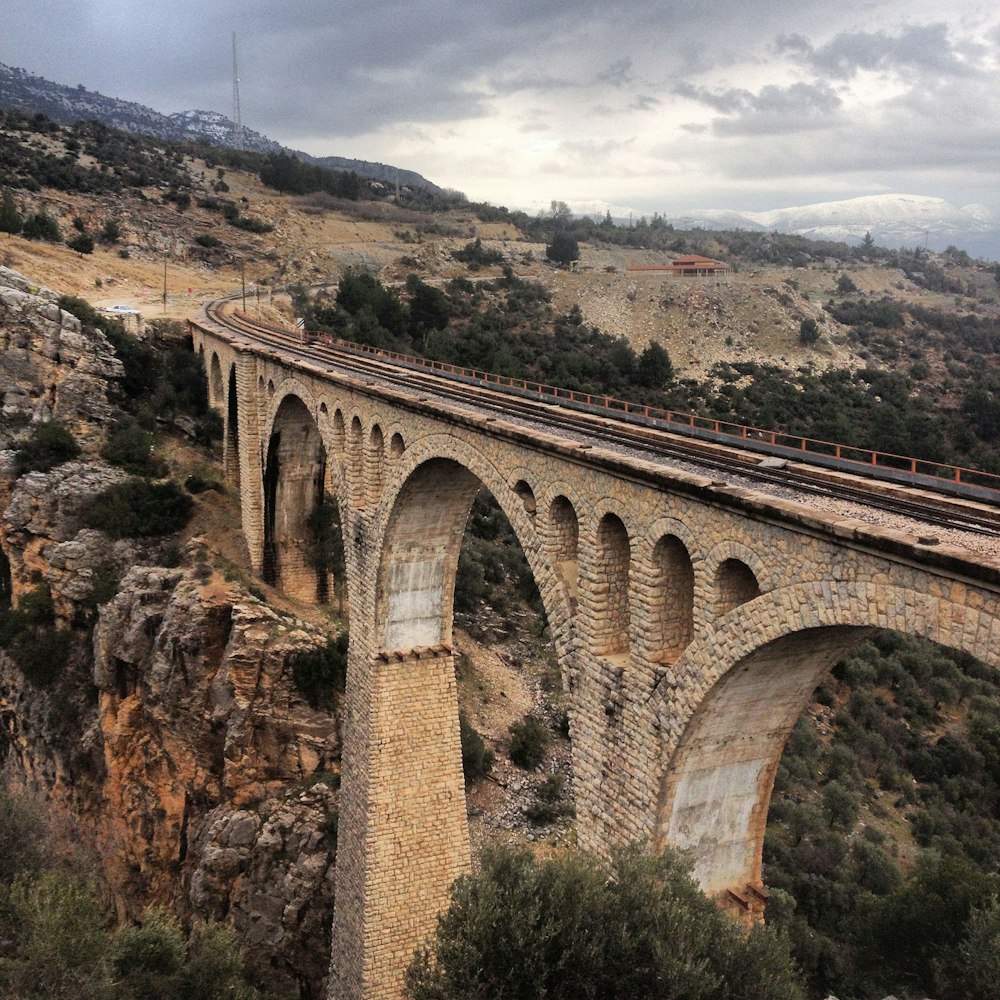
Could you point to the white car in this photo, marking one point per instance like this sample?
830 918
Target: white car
120 310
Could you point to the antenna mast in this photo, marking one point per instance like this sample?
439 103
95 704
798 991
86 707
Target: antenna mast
237 124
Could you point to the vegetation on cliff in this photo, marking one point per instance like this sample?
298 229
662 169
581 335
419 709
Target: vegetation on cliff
58 938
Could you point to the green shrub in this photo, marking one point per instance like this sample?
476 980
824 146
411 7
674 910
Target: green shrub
82 244
41 226
529 740
563 929
139 509
208 240
56 945
808 331
42 654
320 673
550 802
477 758
50 445
130 447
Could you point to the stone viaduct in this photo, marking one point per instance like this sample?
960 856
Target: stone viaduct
691 619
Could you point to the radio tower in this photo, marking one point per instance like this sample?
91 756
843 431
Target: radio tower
237 124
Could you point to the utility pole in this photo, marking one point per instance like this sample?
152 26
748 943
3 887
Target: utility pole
237 123
164 286
243 281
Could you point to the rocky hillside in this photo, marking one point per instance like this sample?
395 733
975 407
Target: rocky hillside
159 718
32 94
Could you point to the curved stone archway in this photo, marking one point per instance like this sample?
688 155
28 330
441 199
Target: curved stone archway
403 786
294 478
749 681
231 458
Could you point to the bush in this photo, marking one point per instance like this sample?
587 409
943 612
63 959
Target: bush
808 331
131 448
477 758
41 227
139 509
82 244
529 740
55 943
563 249
563 929
50 445
207 240
321 673
550 802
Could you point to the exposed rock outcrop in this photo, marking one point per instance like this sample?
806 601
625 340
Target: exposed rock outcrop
211 757
49 367
172 744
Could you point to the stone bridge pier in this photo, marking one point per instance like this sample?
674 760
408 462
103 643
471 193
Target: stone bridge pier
692 620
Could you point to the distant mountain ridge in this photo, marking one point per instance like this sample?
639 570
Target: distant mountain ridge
27 92
894 220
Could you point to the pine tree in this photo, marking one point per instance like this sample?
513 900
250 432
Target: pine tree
10 218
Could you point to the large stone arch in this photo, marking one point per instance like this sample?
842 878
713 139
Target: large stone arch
403 832
231 448
294 475
748 681
402 476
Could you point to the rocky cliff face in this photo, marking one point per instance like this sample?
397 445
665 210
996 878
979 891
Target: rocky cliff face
50 369
173 744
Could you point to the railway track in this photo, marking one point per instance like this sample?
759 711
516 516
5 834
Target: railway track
914 499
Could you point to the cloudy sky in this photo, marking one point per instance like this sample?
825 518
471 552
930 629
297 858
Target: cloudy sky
642 106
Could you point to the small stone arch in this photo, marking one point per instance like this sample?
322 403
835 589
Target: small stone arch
231 451
671 599
735 584
527 495
563 531
215 380
339 433
356 461
375 463
397 445
609 574
747 683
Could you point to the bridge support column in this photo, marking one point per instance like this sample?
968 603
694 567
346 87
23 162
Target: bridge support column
251 473
403 834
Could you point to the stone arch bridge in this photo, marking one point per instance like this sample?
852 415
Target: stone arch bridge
692 620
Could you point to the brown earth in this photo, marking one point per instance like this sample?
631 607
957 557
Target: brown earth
753 315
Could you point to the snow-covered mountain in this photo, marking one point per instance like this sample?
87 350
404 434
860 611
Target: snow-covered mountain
894 220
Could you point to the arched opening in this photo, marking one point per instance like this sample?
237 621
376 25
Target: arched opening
396 445
232 449
294 474
672 599
527 495
356 462
215 380
611 613
418 577
409 719
339 433
376 463
718 782
564 542
735 584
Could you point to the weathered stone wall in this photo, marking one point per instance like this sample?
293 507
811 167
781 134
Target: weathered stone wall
691 620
